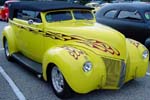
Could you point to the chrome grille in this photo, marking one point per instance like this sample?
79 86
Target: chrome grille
115 72
122 74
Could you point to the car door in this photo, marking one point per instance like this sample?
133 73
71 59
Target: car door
131 24
30 34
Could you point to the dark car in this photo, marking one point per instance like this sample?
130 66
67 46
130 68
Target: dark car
131 19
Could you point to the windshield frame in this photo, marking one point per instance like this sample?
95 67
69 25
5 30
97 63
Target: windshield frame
72 14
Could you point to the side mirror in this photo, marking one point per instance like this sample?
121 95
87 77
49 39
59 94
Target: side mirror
30 21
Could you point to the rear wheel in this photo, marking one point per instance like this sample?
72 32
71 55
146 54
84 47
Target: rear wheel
6 50
59 85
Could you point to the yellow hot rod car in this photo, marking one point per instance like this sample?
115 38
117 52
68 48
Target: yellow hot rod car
63 43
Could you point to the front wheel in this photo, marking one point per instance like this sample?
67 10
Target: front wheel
59 85
6 50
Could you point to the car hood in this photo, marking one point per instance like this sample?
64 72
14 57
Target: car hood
100 39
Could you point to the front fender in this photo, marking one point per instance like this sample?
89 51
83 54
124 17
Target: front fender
136 65
8 33
70 62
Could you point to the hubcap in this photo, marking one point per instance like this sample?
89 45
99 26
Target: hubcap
57 79
6 49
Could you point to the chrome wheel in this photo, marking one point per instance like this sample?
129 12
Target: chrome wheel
6 49
57 79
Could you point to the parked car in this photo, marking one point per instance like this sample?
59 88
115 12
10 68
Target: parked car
63 43
94 5
131 19
4 11
98 1
1 12
72 1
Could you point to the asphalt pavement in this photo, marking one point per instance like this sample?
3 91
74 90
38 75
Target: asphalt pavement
34 88
5 91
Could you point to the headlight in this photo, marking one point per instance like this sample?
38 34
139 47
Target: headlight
145 54
87 66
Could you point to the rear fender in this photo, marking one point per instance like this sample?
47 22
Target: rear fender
8 34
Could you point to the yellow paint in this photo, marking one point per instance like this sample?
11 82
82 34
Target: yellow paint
47 43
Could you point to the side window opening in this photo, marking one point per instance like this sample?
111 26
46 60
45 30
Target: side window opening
38 17
130 15
27 15
110 13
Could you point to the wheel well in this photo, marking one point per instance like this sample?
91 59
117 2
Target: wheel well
4 39
49 68
147 42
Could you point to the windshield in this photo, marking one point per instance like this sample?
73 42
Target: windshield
58 16
66 15
83 15
147 15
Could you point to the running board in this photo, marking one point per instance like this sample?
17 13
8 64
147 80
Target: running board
36 67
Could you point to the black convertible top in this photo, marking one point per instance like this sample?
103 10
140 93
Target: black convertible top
45 5
42 6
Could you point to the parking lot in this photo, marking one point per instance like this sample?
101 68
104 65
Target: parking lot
16 82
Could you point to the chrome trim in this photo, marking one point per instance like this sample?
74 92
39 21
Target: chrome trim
122 74
115 72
